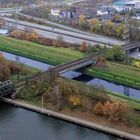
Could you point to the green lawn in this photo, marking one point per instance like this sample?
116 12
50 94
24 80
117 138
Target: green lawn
39 52
118 73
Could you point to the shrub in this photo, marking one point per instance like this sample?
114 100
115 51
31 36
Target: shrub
5 72
114 111
75 101
132 119
84 47
14 68
98 108
102 62
115 53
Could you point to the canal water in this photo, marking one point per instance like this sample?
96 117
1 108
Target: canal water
20 124
135 55
79 77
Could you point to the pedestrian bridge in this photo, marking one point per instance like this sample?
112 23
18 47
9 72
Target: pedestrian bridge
63 68
76 64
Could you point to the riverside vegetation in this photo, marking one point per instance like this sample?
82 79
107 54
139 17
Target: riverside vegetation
13 70
82 101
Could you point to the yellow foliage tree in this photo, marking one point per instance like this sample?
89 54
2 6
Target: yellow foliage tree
75 101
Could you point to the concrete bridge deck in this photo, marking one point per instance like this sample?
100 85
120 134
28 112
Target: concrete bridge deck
130 46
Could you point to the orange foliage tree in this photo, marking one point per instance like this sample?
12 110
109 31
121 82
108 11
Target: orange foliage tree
84 47
114 111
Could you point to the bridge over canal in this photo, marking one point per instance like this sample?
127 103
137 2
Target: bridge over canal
63 68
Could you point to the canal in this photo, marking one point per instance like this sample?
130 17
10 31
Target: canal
20 124
131 92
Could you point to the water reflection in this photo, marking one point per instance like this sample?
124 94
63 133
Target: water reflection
29 62
116 88
126 91
135 55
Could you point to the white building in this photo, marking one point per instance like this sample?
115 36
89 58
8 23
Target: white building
102 12
55 12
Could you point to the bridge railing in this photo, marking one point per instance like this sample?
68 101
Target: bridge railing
131 46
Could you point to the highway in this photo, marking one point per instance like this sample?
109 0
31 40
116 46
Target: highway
61 26
68 36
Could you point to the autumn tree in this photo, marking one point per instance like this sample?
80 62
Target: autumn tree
94 24
120 30
82 22
5 72
30 35
114 111
84 47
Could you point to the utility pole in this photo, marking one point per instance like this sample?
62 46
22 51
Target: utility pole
15 17
58 95
42 102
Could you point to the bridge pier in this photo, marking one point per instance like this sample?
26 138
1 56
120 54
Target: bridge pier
126 91
138 49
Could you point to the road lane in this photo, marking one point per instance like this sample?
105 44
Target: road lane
67 35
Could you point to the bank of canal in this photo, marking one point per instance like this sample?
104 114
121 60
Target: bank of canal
131 92
17 123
